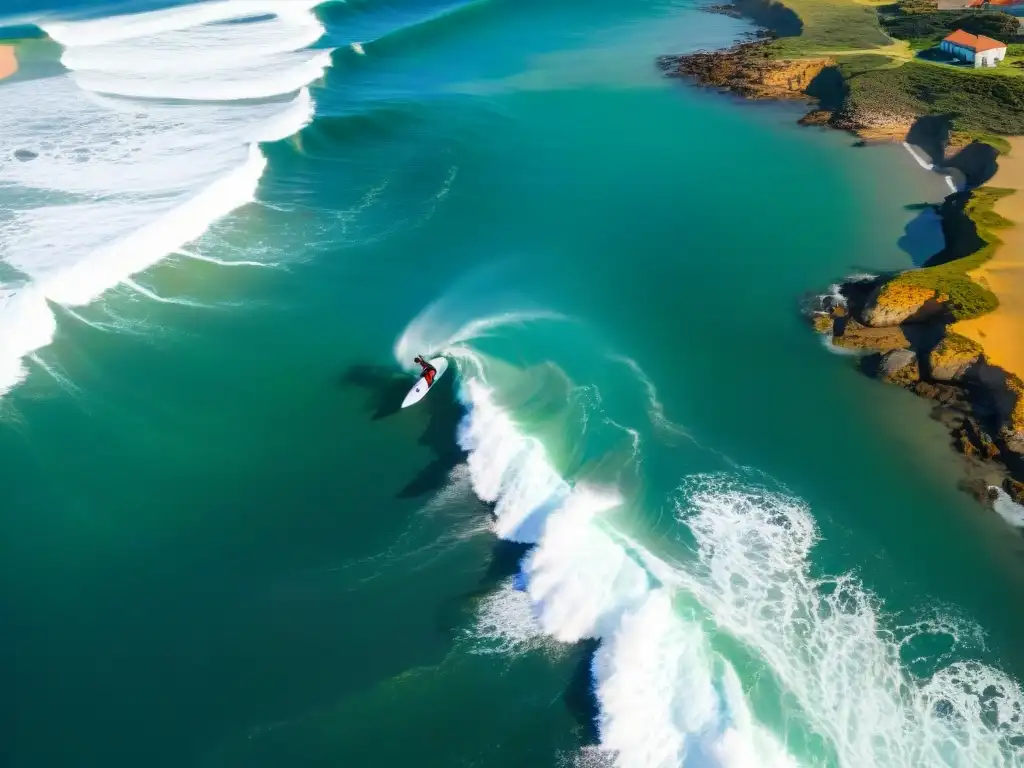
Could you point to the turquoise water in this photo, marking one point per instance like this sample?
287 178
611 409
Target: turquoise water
644 520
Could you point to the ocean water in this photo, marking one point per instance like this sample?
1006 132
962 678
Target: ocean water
645 520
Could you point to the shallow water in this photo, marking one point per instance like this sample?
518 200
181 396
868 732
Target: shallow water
224 544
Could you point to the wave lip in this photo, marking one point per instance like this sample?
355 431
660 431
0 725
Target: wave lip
150 136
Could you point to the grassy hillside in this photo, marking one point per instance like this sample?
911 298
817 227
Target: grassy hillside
832 25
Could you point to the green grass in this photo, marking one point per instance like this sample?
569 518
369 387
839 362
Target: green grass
832 25
966 298
998 143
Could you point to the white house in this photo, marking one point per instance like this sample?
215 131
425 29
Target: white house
976 49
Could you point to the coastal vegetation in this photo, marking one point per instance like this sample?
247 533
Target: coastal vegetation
924 29
874 69
964 297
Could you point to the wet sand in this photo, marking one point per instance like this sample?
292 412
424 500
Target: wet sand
1002 332
8 61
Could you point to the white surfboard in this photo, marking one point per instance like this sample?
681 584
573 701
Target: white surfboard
418 392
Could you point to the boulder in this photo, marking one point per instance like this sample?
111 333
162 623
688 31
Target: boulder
1015 489
979 489
900 367
1013 429
951 359
945 394
896 302
816 117
822 323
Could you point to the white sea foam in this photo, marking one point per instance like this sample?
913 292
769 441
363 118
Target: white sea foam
921 160
1007 508
114 184
666 696
825 640
668 700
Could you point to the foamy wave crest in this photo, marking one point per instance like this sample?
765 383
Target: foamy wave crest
106 186
825 641
665 699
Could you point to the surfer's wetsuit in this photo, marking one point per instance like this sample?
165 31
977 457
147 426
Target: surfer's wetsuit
429 371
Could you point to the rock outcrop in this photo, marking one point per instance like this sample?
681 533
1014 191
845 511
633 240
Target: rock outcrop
850 334
974 441
874 125
1014 489
900 367
895 303
747 69
953 357
1012 432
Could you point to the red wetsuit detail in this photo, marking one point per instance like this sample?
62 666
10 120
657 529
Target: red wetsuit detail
429 371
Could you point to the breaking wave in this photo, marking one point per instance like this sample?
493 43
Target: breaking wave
107 176
665 676
666 699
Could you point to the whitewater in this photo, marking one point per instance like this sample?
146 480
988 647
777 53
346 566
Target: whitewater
149 135
667 693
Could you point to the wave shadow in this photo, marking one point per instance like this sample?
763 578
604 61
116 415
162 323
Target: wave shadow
580 698
386 386
445 413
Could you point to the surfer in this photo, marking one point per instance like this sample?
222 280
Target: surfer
429 371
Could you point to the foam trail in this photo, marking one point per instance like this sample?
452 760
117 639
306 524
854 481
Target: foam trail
111 185
222 262
920 160
155 297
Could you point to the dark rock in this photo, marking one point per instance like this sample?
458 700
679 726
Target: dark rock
725 9
945 394
1015 489
816 117
25 155
972 440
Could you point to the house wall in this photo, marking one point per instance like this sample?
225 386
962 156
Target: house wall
989 58
985 59
966 54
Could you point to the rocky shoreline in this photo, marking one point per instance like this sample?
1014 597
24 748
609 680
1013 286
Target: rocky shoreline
750 70
912 348
899 324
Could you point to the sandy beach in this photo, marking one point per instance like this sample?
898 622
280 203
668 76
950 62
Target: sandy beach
8 61
1002 331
